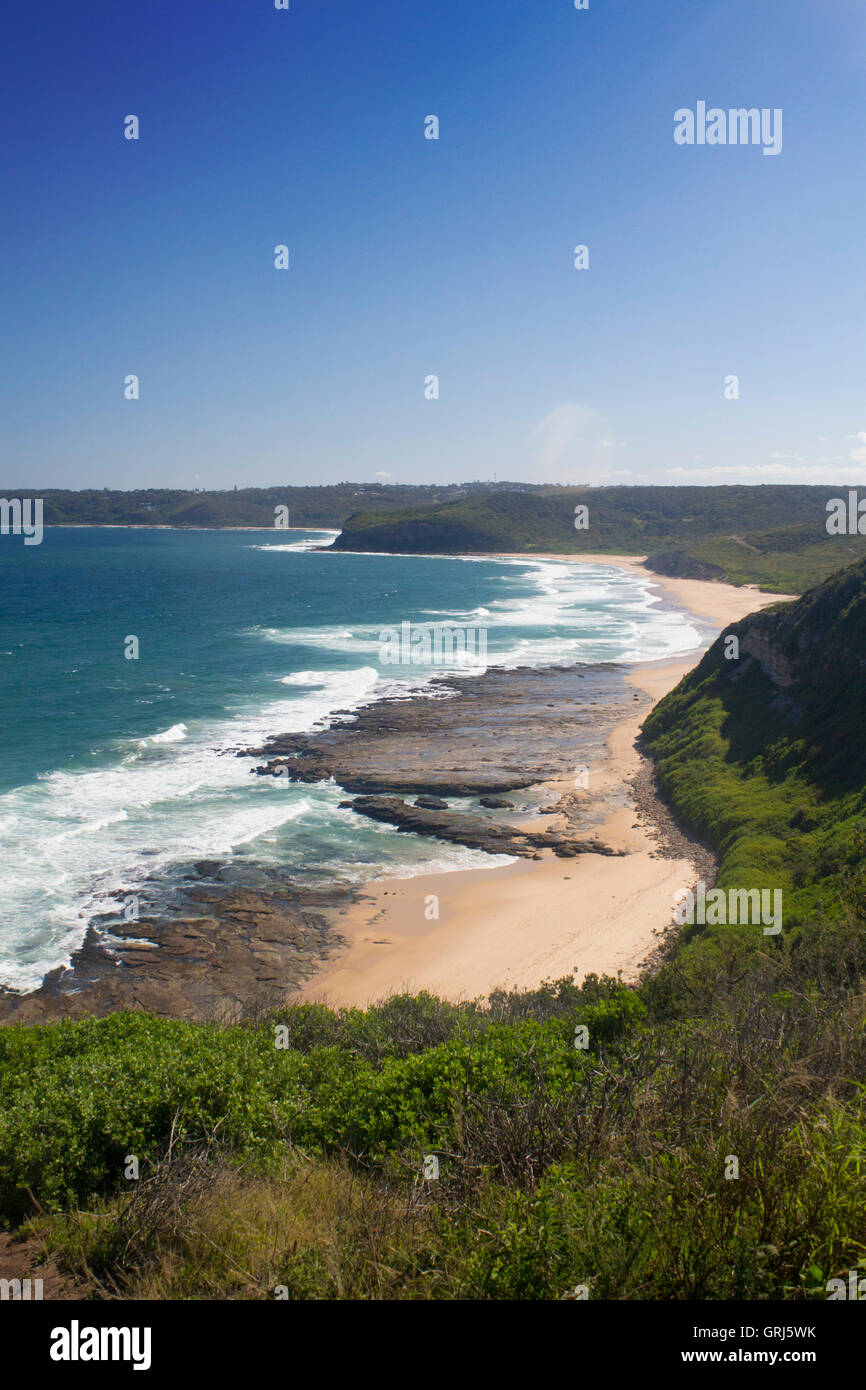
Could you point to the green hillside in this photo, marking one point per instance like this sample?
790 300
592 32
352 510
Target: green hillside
762 755
243 506
773 536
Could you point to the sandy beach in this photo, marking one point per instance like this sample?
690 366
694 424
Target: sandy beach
463 934
584 863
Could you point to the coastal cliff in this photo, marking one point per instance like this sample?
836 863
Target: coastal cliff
759 749
688 532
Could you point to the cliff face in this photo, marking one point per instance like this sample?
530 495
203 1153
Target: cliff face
761 753
679 565
817 644
774 663
800 675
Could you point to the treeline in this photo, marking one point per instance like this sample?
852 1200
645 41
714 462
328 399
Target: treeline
253 506
771 535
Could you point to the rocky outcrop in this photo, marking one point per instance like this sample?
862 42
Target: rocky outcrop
225 950
478 735
475 832
774 663
679 565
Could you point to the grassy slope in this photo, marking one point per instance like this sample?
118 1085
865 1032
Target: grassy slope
771 772
692 530
774 536
784 561
605 1167
559 1167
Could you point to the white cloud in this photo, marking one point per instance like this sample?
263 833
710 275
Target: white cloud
621 475
827 471
567 444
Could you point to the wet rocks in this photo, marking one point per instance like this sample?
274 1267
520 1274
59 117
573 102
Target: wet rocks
474 736
229 945
475 832
225 951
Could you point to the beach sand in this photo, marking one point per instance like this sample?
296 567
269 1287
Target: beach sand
462 934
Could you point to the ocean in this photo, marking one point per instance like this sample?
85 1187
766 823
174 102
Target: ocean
116 774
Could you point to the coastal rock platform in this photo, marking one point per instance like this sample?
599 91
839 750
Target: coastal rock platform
227 951
477 735
224 948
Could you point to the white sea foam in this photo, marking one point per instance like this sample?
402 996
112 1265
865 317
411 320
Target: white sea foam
311 543
175 734
580 613
73 840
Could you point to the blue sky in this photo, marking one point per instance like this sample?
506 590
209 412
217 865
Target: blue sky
412 257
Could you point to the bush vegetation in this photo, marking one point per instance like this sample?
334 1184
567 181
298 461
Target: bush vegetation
691 531
559 1167
709 1142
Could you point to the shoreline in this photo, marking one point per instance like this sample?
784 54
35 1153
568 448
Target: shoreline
514 926
167 526
711 600
613 851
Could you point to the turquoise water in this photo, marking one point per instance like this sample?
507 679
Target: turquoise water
115 772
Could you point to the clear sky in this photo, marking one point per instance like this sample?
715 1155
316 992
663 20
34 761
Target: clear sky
411 257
